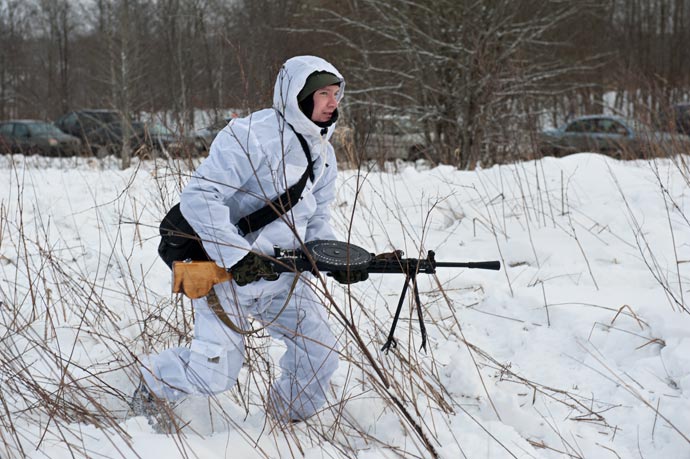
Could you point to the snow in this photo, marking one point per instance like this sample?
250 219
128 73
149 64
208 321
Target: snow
578 347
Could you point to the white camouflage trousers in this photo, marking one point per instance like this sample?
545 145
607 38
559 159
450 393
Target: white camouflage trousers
214 359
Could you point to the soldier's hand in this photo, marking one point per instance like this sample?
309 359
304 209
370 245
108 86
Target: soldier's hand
251 268
390 256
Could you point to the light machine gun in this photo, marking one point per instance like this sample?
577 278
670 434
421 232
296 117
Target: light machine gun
196 278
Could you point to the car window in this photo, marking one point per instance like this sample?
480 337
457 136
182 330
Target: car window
580 126
159 129
20 130
43 128
6 128
99 118
67 121
72 119
88 122
609 126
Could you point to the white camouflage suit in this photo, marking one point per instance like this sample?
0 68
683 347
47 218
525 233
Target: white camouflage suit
251 160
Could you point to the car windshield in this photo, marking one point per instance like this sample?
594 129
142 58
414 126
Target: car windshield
104 117
638 126
159 129
581 125
137 126
44 128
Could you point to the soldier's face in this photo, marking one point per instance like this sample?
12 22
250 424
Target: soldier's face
325 103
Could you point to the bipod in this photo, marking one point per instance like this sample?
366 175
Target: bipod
410 275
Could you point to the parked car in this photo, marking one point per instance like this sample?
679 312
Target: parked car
81 122
102 131
91 126
107 139
145 139
612 135
37 137
160 138
393 138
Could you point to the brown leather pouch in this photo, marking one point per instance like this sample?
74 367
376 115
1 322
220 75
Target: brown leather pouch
195 279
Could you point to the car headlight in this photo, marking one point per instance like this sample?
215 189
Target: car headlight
52 142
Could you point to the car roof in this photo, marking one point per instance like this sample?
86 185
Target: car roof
96 110
25 121
589 117
93 112
626 121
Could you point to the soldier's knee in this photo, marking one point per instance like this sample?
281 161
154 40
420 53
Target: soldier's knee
213 368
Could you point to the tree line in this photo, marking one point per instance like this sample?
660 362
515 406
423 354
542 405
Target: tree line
475 77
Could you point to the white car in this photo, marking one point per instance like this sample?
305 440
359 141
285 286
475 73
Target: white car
611 135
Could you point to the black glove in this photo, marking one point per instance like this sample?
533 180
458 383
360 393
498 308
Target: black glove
350 277
251 268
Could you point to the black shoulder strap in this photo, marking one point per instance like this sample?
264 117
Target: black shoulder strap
305 148
283 203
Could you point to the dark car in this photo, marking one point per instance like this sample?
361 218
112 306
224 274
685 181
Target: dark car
81 122
107 139
101 131
612 135
37 137
146 140
162 138
395 137
90 125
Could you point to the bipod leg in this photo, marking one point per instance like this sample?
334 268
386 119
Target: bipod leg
391 341
422 327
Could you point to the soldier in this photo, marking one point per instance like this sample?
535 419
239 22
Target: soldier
251 162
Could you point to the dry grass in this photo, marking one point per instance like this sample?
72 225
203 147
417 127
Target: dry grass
71 328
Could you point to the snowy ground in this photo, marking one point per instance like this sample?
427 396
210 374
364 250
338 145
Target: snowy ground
579 347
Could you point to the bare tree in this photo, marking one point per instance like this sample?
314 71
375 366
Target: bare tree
59 23
12 29
17 72
120 61
474 76
458 67
653 63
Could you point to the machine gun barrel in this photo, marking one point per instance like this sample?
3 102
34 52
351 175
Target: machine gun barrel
492 265
393 264
400 266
